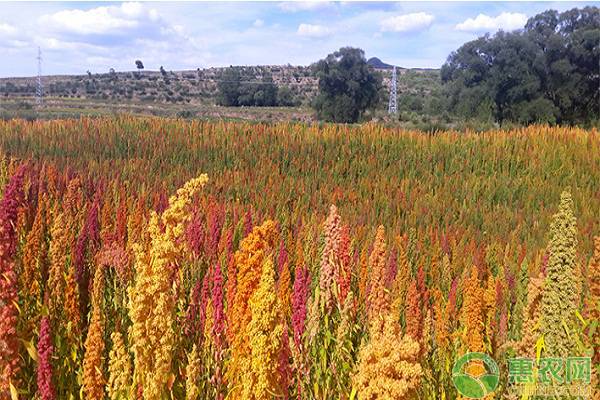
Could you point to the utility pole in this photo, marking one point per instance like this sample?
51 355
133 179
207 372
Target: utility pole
393 107
39 90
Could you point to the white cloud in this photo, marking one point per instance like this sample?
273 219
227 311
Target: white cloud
314 31
169 34
258 23
109 20
110 36
12 37
125 29
7 29
153 14
294 6
407 22
505 21
56 44
132 9
18 44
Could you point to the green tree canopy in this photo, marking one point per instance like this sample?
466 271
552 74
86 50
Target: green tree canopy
546 72
347 86
229 87
239 88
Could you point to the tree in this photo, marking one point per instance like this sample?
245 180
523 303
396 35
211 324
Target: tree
347 86
238 90
285 97
546 72
140 66
268 97
229 87
493 77
164 75
568 64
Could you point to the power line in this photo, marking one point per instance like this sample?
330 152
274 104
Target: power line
254 82
312 82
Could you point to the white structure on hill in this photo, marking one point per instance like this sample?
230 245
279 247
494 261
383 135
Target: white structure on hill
39 90
393 107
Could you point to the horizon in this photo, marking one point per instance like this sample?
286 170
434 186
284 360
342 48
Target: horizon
145 70
77 37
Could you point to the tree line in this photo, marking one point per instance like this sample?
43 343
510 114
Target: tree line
237 88
547 72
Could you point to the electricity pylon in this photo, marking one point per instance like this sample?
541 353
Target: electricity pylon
393 107
39 90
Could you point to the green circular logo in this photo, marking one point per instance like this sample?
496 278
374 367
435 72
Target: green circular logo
475 375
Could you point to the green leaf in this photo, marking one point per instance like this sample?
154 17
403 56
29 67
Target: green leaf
539 346
14 395
352 394
580 317
593 327
31 350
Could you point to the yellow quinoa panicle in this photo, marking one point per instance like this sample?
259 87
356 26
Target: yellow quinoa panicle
560 295
93 377
249 259
119 369
388 367
192 373
264 334
151 301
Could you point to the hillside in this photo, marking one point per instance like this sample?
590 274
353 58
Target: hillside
378 64
197 87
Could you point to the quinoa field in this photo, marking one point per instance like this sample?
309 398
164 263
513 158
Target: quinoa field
154 258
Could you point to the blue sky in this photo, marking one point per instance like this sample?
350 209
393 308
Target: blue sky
95 36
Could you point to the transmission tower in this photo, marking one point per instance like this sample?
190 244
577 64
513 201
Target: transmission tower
393 107
39 90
